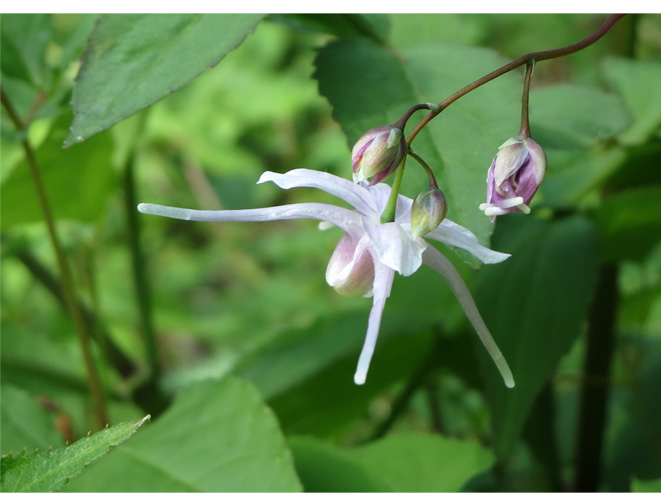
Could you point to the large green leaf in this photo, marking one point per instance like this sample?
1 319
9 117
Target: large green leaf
534 304
49 471
638 83
24 423
24 41
370 86
216 437
78 182
568 117
399 463
629 223
134 60
574 174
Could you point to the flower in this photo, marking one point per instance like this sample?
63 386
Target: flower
378 153
369 253
514 177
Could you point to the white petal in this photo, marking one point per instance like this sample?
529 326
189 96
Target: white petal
394 246
354 194
383 277
455 235
341 217
437 261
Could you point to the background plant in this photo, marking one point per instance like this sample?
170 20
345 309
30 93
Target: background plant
202 326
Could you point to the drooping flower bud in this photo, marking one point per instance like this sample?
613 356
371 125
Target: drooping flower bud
351 267
378 153
427 211
514 177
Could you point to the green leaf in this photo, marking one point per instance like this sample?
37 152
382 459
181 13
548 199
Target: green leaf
134 60
534 304
646 486
24 423
572 117
629 223
374 26
23 48
573 174
370 86
47 472
413 462
638 83
78 182
216 437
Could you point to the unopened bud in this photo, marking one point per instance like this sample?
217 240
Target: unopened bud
351 268
428 211
378 153
514 177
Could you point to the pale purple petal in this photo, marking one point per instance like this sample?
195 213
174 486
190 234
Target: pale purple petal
394 246
454 235
383 277
354 194
341 217
437 261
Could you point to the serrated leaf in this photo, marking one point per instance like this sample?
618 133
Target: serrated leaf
78 182
638 83
371 86
566 116
398 463
49 471
534 304
134 60
218 436
24 423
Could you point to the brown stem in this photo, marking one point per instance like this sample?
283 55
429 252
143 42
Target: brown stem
526 58
525 124
67 281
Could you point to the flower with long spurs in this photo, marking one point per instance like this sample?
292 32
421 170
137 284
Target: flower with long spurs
370 252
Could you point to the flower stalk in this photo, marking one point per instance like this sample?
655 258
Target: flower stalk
523 60
63 265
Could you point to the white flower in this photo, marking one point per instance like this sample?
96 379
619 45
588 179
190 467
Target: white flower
369 253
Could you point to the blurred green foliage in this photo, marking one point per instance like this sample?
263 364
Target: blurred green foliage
253 389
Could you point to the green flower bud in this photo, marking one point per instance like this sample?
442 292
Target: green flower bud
428 211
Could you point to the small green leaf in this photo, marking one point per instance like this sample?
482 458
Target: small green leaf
24 423
638 83
572 117
218 436
49 471
134 60
413 462
534 304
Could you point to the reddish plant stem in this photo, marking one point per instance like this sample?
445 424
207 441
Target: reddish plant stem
523 60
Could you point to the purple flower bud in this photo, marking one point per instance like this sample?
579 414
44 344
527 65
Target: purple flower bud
428 211
514 177
378 153
351 267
